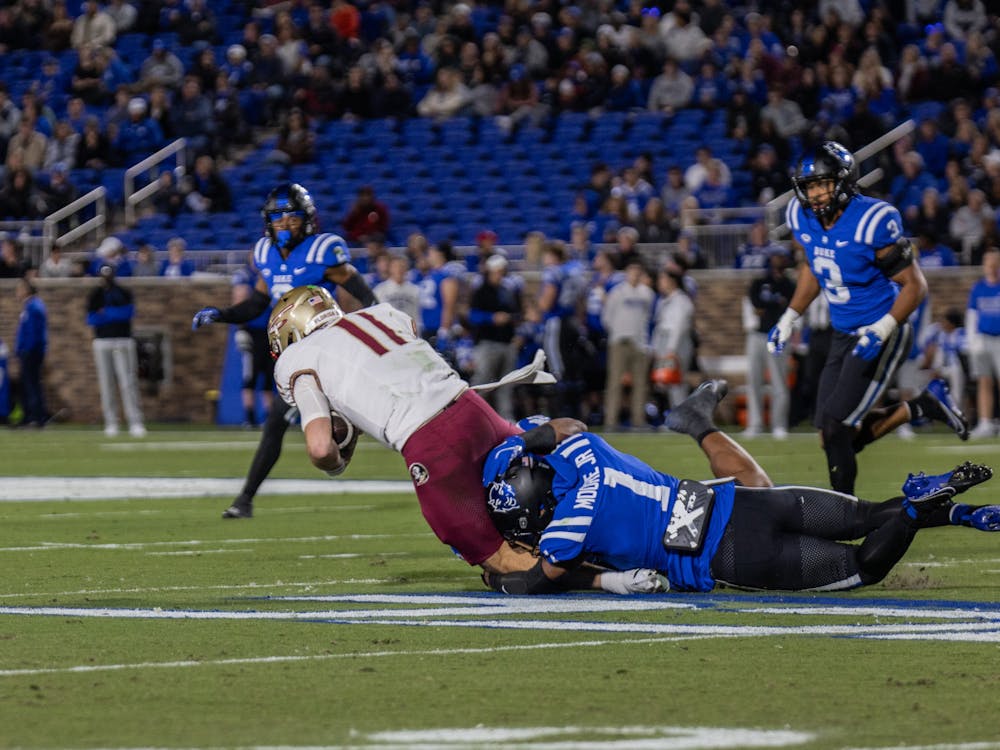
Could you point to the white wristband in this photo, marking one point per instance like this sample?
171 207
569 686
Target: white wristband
883 327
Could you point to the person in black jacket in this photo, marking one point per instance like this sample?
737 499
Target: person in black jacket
110 310
494 314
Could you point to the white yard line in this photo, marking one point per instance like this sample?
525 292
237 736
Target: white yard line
30 489
256 587
54 546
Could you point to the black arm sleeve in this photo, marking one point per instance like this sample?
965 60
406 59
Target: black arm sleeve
533 581
359 289
246 310
894 261
540 440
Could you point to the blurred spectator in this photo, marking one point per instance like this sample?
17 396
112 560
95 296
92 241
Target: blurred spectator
624 94
206 69
12 263
145 261
696 174
161 68
169 197
30 344
196 23
671 90
635 191
269 79
768 296
715 191
10 117
110 310
231 126
205 190
355 100
494 314
58 35
93 27
932 253
397 290
62 147
439 289
929 216
932 145
982 330
111 252
907 188
711 87
345 19
117 112
58 191
175 265
56 265
123 14
966 225
392 98
237 68
447 98
654 225
627 313
139 137
683 38
191 118
767 179
674 191
756 252
27 147
366 216
784 114
93 150
296 141
673 335
161 110
19 198
962 17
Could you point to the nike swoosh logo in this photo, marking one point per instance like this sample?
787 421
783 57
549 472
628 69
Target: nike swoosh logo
841 243
300 270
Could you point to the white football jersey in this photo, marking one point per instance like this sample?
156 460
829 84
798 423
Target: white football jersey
375 371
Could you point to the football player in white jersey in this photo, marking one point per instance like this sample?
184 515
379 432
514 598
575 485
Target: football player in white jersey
372 368
292 252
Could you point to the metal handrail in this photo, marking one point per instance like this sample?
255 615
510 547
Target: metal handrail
134 197
96 223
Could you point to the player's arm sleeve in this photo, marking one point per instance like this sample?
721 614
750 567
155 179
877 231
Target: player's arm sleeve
543 578
309 397
353 282
246 310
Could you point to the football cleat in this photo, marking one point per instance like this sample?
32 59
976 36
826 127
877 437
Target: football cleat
983 518
693 416
242 507
938 404
921 488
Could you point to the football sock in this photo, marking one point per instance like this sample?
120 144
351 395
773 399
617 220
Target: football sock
884 547
269 449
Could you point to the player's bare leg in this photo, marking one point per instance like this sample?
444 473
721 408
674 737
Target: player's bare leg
693 417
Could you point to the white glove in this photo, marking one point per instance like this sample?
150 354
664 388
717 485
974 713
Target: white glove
634 581
781 331
872 338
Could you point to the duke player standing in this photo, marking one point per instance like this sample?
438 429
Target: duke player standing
290 254
857 256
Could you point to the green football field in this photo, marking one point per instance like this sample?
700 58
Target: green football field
132 616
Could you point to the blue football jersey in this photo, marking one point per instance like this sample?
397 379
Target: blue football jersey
431 301
306 263
843 258
614 509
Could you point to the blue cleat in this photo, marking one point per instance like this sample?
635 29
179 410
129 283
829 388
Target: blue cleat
983 518
938 404
921 488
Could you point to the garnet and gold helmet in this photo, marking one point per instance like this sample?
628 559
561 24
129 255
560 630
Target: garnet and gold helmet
298 313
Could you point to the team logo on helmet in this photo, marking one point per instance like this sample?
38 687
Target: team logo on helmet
502 498
419 474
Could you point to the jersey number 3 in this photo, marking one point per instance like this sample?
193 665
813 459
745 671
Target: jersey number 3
833 280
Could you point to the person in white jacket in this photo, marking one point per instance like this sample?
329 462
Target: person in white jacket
672 344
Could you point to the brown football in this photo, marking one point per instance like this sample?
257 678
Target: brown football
342 428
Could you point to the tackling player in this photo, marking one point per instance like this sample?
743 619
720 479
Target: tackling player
584 501
290 254
855 253
372 368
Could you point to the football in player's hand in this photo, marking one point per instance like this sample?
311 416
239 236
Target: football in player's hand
344 431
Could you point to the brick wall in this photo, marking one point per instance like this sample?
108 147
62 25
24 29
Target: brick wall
168 305
162 304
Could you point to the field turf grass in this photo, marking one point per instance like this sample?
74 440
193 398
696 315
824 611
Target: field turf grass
338 620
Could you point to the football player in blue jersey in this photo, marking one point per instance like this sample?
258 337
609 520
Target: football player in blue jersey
575 499
856 254
291 253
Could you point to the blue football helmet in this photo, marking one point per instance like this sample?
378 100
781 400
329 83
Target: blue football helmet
521 503
831 161
294 199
